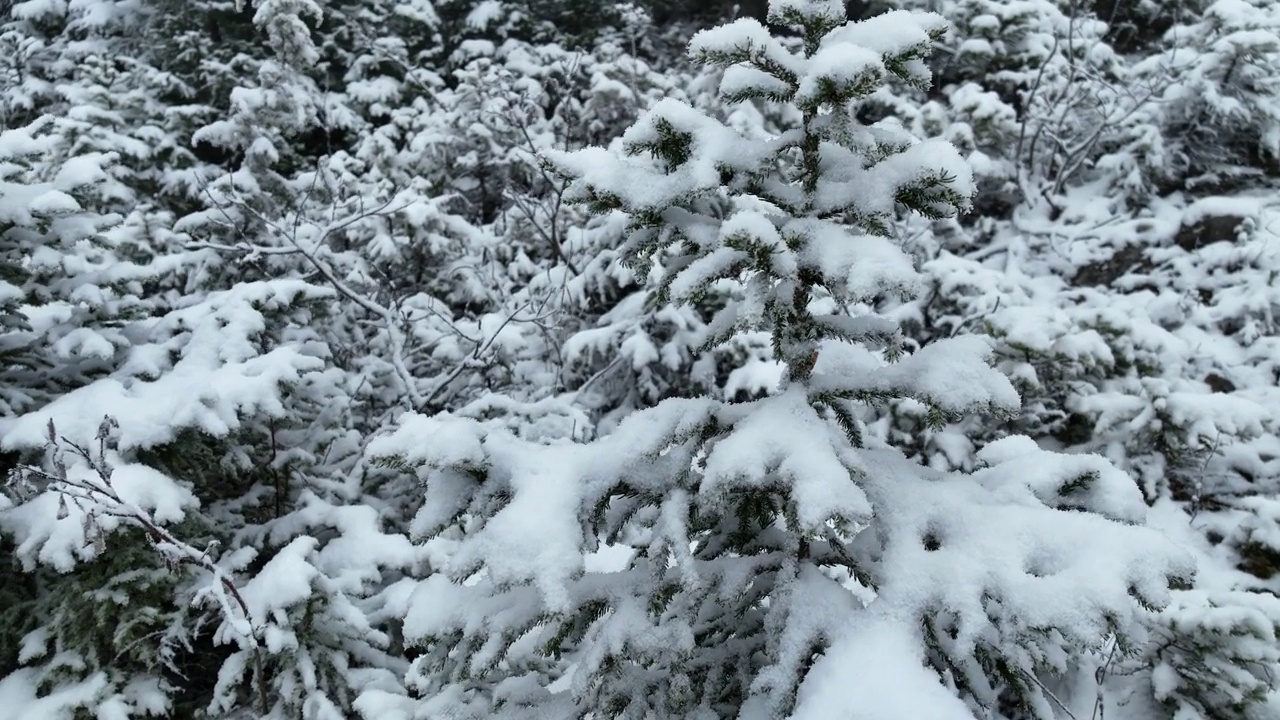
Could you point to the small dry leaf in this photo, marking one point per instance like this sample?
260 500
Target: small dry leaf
107 425
92 536
63 512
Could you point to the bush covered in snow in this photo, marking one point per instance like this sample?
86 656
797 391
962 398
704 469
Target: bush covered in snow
475 358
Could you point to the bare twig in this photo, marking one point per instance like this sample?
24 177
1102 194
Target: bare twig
1052 697
1100 678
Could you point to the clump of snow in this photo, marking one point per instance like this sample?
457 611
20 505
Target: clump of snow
828 11
783 438
220 373
284 581
1219 206
53 202
872 672
745 37
484 14
754 377
952 375
544 489
955 549
860 267
81 170
638 184
843 71
891 33
1088 482
22 695
453 442
34 645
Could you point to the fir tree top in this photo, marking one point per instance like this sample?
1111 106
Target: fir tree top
805 215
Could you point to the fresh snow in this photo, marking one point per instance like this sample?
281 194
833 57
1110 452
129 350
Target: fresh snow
563 360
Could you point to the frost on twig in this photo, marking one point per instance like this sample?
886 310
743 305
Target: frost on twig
95 496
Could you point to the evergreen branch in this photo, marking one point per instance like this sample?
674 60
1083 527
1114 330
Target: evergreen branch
96 495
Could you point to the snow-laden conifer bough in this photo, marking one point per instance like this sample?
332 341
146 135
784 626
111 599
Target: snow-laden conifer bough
774 562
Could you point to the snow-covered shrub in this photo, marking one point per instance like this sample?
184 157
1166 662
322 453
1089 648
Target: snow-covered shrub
1219 115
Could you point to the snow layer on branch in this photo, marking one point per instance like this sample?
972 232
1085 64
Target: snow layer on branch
219 374
82 170
859 267
741 81
828 11
432 442
549 486
638 183
1088 482
283 582
960 552
53 202
21 692
485 13
952 375
1207 416
547 492
744 38
698 274
848 71
359 550
784 439
874 191
1212 207
875 672
892 33
60 542
24 202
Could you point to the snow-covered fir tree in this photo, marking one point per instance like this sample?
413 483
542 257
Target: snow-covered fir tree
763 559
